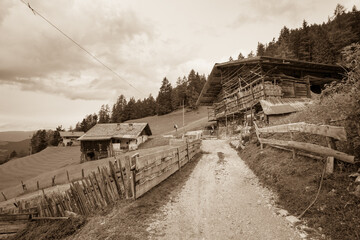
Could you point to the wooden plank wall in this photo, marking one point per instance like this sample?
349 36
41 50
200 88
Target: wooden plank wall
152 169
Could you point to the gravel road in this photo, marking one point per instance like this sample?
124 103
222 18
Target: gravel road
220 200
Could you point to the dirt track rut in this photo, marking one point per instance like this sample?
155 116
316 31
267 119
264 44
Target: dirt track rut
220 200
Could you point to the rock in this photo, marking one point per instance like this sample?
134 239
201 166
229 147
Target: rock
357 180
354 175
283 212
332 193
303 235
293 220
357 191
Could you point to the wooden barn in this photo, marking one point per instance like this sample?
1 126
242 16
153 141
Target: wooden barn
70 138
263 88
105 139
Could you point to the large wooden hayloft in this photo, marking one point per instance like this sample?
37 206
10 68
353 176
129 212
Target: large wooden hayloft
263 87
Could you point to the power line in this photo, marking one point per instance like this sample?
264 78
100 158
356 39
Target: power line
77 44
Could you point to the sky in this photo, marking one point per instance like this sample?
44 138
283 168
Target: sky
46 80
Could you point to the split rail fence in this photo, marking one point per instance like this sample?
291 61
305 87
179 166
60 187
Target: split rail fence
332 134
126 177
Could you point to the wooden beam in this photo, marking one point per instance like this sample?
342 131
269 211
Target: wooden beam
309 147
324 130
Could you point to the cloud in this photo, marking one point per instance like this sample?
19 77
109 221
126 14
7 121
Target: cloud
260 11
36 57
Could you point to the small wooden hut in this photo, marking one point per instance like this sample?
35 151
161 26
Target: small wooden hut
104 140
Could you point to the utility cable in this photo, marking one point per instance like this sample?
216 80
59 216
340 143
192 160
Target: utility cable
317 194
77 44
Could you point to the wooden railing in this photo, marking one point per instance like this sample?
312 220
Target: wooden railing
331 133
126 177
152 169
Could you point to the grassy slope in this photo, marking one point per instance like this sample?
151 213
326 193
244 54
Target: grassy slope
165 124
55 161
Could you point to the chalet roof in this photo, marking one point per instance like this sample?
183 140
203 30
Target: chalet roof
318 73
71 134
105 131
275 106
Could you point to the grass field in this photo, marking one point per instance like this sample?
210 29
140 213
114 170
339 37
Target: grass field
55 161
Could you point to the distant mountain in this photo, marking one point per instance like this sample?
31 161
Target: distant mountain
21 148
15 136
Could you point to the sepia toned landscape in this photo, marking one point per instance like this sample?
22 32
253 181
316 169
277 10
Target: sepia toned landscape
179 120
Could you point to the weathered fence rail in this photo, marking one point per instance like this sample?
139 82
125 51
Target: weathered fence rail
126 177
331 133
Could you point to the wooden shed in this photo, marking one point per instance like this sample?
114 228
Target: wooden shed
70 138
105 139
263 87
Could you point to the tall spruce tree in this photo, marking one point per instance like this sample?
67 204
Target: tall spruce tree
163 101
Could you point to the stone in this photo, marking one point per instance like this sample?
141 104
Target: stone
354 175
283 212
357 191
332 193
293 220
357 180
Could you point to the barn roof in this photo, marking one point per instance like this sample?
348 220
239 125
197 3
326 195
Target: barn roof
71 134
106 131
318 73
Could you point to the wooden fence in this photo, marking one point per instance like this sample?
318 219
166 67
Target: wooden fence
126 177
332 134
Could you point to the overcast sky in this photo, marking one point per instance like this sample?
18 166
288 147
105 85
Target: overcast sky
46 80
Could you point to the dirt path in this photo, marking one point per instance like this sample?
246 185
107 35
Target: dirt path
221 199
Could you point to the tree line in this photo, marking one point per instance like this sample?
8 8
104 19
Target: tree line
41 139
169 98
321 43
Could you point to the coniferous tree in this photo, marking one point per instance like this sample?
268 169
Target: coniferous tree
117 114
260 51
240 56
104 114
163 101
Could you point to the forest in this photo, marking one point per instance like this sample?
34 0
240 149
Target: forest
169 98
320 43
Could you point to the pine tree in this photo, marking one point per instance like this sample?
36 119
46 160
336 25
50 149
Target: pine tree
240 56
260 51
104 114
163 101
117 114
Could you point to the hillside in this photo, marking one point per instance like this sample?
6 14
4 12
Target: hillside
21 148
164 124
12 172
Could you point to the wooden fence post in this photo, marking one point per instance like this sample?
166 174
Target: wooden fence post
38 185
4 196
53 180
133 175
187 149
23 186
258 135
330 160
82 173
178 153
68 177
293 150
128 179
